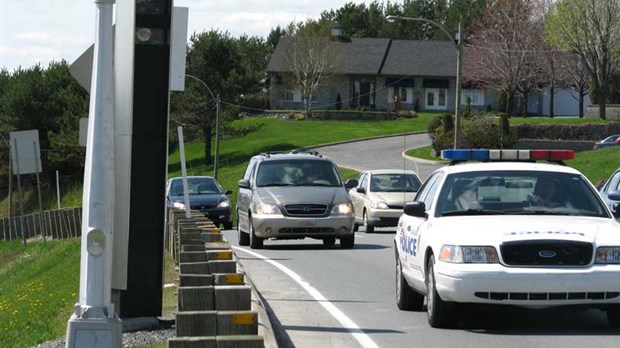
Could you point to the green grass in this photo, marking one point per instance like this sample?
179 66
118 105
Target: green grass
39 284
598 164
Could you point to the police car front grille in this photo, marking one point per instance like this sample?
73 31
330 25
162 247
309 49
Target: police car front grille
546 296
547 253
306 209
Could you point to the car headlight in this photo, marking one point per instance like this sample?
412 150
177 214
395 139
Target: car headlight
468 254
378 205
342 209
264 208
223 204
608 255
178 205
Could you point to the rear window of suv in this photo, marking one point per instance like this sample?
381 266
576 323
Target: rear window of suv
297 172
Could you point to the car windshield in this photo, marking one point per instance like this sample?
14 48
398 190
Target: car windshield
297 173
394 183
518 193
195 186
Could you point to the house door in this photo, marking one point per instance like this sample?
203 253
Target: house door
365 94
436 99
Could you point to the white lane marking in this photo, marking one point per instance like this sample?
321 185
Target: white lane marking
346 322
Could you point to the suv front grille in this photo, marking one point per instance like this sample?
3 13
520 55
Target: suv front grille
306 209
547 253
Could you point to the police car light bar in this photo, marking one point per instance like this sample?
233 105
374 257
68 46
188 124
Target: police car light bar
506 155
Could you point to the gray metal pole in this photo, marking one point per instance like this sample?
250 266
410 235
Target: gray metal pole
217 138
21 197
457 108
57 190
36 161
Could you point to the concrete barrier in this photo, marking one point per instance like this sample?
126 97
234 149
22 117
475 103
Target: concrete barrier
214 304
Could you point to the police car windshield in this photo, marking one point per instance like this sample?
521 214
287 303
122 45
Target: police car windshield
297 172
518 193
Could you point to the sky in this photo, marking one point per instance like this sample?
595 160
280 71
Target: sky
41 31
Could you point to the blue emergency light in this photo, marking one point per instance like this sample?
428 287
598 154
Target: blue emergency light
506 155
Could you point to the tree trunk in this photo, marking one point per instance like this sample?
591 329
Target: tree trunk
208 137
551 101
581 95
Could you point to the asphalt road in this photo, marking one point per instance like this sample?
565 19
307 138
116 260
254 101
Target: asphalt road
328 297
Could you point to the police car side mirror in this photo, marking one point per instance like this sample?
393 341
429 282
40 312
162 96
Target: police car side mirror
351 183
416 209
244 184
615 210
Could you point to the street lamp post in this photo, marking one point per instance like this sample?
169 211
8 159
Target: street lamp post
458 44
217 124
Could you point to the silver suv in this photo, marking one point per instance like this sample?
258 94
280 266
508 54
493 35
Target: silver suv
294 196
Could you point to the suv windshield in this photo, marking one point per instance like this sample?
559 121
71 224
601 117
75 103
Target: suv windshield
518 193
297 173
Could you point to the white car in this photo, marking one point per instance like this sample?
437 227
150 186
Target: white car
517 233
380 196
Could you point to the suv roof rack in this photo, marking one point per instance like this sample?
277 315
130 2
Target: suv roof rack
309 152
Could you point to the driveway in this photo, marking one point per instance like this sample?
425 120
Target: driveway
381 153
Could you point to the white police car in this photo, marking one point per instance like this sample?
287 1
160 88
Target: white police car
507 231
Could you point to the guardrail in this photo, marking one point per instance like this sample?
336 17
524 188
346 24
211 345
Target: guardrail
214 307
57 224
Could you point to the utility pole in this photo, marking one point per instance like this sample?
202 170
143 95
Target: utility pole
93 322
216 161
459 68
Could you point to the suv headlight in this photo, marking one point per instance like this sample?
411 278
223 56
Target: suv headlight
378 205
264 208
607 255
343 209
223 204
178 205
468 254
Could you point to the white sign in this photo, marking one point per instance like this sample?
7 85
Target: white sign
178 48
25 152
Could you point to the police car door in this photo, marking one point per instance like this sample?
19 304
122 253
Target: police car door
412 244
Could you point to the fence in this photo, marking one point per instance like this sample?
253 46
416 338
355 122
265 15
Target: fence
57 224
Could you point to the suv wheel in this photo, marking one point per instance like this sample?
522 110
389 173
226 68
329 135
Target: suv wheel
243 237
368 228
255 242
347 242
329 241
440 314
613 316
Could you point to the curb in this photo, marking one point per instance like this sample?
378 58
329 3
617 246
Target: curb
359 139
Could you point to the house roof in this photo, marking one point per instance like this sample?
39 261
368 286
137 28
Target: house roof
420 58
387 57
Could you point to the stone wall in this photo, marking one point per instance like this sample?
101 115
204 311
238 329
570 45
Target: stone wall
554 144
613 111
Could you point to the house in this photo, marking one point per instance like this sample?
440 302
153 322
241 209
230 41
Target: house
390 74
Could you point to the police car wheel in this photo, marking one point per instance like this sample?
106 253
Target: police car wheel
440 314
255 241
613 316
406 298
368 228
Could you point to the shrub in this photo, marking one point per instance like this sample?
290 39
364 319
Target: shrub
588 131
481 132
433 125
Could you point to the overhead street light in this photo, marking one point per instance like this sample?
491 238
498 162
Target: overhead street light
217 124
458 45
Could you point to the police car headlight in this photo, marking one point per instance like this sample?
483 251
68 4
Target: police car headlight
608 255
468 254
343 209
263 208
223 204
378 205
178 205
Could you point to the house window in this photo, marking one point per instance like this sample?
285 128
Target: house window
405 94
436 98
294 95
475 95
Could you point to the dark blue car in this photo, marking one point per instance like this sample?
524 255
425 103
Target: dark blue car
205 195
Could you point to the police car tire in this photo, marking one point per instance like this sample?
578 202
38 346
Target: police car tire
406 298
368 228
441 314
347 242
255 241
613 316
